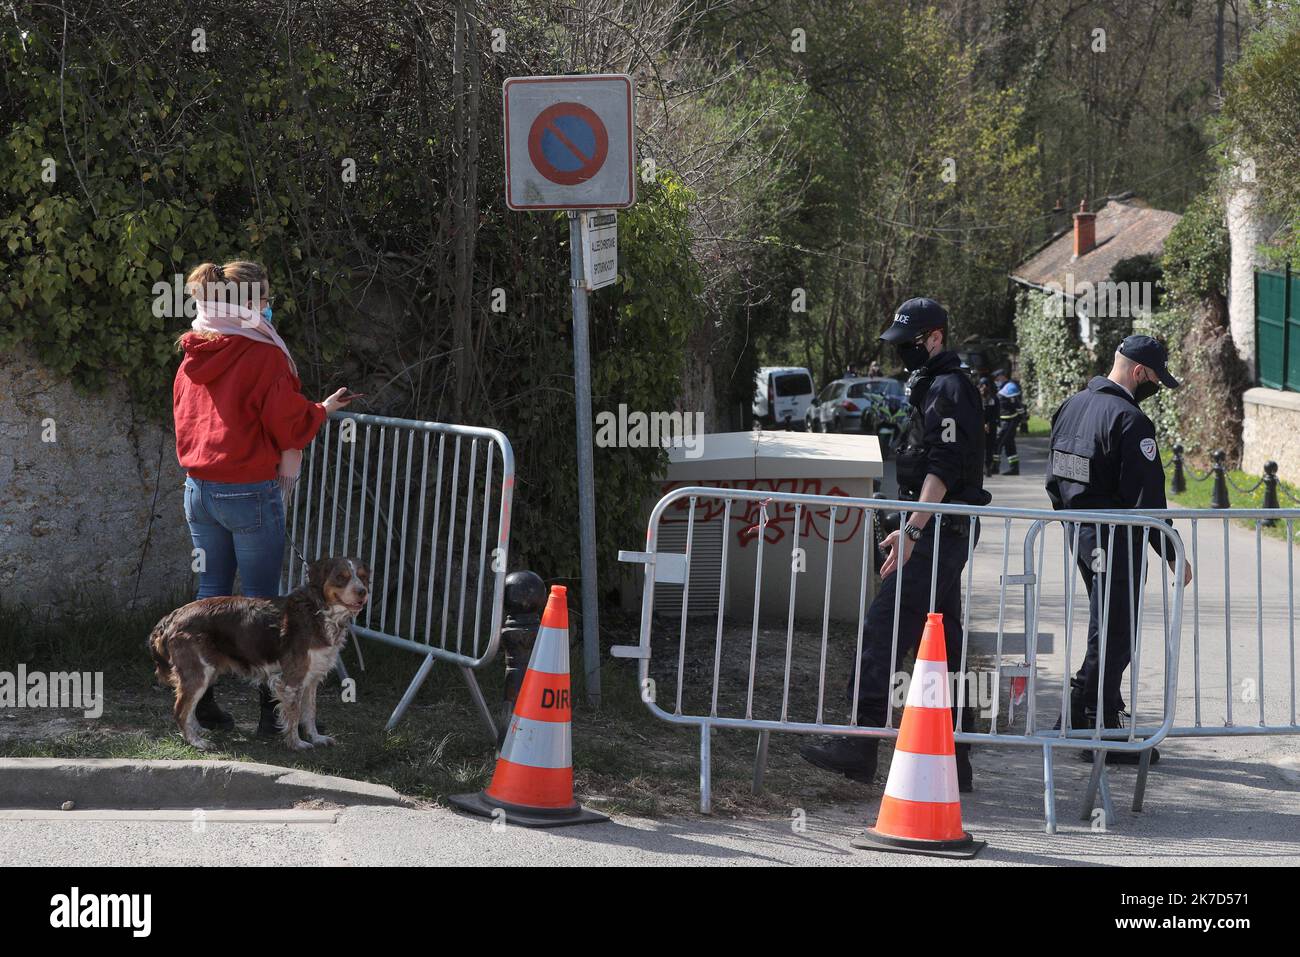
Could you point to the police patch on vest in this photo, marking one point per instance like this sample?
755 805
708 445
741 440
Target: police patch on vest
1069 466
1148 447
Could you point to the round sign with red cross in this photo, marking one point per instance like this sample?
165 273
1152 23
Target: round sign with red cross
570 142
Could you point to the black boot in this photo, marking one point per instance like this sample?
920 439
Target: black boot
1078 708
1014 470
855 758
268 726
1116 719
209 714
965 773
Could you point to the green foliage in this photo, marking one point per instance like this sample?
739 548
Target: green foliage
1053 365
165 158
1197 253
141 192
915 177
1169 409
1261 115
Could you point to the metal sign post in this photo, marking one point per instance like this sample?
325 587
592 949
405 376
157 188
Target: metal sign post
570 144
586 470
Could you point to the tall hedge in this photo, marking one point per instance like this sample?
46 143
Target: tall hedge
130 155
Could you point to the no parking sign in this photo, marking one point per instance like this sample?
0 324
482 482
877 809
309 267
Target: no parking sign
569 142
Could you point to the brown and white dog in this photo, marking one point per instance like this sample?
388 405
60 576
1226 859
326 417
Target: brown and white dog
290 642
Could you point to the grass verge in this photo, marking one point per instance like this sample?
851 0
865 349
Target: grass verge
1198 495
625 759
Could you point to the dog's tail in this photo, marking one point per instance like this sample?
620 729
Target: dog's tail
158 651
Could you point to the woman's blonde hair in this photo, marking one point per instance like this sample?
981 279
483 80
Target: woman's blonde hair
208 282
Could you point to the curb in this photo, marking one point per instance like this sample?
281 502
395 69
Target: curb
121 783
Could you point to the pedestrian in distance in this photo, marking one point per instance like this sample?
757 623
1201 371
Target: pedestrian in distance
1011 411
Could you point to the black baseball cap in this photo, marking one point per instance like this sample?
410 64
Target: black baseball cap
1150 353
914 318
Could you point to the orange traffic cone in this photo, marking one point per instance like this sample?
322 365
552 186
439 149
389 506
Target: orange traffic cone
533 781
921 810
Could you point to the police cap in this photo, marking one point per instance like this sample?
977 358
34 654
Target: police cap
914 318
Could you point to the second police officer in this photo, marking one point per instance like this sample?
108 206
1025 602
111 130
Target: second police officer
1104 456
941 459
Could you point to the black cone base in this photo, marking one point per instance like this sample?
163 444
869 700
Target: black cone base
962 848
484 806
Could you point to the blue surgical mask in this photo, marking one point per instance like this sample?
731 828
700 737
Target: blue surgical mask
266 314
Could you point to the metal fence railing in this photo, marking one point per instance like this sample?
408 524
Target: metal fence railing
740 669
427 506
1234 670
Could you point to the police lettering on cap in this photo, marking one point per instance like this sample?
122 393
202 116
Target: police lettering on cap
914 318
1151 353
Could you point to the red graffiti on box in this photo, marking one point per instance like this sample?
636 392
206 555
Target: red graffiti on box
746 517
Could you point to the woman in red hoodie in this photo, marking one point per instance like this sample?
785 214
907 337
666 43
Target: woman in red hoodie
241 424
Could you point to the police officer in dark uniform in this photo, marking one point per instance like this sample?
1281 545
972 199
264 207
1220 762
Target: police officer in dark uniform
1104 456
989 397
941 459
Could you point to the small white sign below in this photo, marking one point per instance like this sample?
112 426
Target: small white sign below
599 247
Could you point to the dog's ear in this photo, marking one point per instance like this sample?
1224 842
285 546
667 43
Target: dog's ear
317 573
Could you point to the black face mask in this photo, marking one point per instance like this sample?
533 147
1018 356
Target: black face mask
1145 390
913 356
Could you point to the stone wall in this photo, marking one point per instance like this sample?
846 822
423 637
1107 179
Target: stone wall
1271 430
83 506
1248 228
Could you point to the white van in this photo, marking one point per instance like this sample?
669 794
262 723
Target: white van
782 395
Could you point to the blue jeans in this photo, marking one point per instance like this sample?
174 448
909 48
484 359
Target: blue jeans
237 526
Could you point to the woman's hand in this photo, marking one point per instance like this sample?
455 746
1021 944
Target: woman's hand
339 400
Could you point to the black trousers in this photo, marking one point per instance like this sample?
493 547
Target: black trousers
1125 567
876 667
1007 440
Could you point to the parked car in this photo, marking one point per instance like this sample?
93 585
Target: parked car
782 395
870 406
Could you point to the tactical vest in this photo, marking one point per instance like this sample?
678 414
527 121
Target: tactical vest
912 459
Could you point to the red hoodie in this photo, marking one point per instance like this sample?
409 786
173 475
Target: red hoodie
237 407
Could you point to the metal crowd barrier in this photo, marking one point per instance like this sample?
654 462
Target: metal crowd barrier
415 501
709 693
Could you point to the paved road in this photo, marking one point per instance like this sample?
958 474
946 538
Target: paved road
1209 801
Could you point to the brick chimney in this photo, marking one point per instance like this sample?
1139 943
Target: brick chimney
1085 230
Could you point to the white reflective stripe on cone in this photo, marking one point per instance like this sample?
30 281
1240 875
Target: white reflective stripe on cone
538 744
923 777
929 685
551 651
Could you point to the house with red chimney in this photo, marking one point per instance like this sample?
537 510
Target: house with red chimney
1082 291
1077 268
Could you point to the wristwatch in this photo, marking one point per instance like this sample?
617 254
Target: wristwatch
912 532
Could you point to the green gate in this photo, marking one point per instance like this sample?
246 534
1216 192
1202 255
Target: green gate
1277 329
